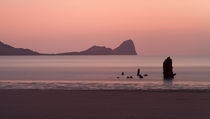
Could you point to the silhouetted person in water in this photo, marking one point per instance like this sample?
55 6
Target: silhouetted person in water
168 69
139 74
123 73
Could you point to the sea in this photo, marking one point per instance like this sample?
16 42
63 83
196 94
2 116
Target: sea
102 72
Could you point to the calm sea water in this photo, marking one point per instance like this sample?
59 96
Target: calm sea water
101 72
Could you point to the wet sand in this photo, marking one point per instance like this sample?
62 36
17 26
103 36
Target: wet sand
64 104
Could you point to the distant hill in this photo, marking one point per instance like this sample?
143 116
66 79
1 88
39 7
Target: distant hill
126 48
9 50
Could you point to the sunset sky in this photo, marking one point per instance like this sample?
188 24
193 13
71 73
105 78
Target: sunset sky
157 27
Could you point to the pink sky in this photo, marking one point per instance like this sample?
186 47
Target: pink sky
157 27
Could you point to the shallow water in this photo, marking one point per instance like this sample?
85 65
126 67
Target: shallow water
100 72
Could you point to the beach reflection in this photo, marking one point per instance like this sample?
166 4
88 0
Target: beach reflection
168 83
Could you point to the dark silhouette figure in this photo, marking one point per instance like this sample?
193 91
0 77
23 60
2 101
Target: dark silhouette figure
122 73
131 77
128 77
168 69
145 74
139 74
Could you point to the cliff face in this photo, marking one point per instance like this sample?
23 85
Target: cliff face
9 50
126 48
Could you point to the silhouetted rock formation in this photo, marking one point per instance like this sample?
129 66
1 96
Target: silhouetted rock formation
139 74
95 50
9 50
126 48
168 69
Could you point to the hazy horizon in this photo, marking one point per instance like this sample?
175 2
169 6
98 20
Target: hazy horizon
176 27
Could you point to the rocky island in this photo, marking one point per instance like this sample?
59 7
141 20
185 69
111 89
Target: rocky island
126 48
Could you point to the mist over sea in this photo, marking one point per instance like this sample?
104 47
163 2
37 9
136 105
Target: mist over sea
101 72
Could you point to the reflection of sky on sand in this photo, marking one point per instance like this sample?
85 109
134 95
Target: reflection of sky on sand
104 85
